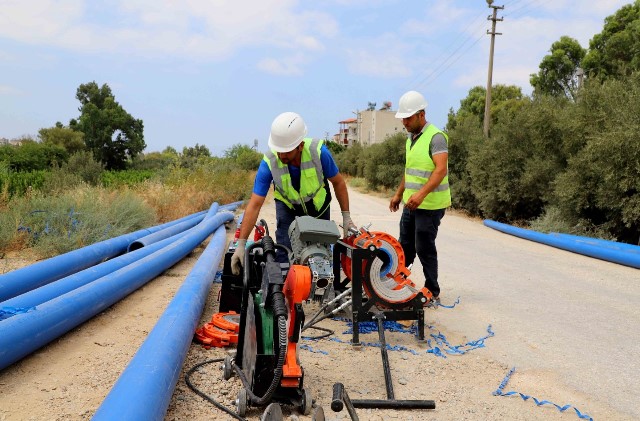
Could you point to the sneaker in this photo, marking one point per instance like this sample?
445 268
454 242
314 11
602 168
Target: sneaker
434 303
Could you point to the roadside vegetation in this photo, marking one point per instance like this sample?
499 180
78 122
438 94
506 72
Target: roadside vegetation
77 202
564 159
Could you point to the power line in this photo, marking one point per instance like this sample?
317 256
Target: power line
430 79
451 58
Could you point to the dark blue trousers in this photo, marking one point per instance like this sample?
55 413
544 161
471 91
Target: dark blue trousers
284 218
418 231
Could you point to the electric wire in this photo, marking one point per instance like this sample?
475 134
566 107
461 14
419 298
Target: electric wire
434 78
417 80
453 56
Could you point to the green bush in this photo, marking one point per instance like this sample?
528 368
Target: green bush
384 162
601 186
53 224
87 168
32 156
350 161
115 179
19 183
512 172
464 140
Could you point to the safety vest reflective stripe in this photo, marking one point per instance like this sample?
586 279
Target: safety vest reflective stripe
418 169
311 177
417 186
419 173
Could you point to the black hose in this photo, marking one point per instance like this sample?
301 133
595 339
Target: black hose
277 374
187 379
315 338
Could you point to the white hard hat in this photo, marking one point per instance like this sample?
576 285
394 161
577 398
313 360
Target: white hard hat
410 103
287 131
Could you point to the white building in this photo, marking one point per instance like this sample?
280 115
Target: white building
371 126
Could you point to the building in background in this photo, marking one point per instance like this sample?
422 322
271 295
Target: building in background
370 126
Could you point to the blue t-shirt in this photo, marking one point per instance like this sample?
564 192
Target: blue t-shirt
264 178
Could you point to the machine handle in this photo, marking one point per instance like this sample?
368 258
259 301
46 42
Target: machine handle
336 402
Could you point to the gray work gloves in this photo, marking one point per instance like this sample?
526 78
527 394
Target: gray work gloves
347 223
237 260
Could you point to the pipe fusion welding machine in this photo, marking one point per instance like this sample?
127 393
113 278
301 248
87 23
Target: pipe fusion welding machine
268 296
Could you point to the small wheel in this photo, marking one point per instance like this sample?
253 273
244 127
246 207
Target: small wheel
273 412
242 402
227 368
307 402
318 414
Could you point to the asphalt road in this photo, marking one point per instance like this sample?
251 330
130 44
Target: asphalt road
551 310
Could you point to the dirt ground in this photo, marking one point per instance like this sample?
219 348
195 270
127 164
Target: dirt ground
69 378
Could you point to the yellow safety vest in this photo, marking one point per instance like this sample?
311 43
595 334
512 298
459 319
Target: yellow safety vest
312 185
418 168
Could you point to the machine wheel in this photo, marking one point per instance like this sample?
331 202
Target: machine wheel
272 413
318 414
307 402
227 368
242 402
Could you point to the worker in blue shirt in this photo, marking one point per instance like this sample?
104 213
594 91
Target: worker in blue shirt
300 170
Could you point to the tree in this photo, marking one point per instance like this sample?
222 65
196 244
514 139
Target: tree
557 75
170 150
72 141
196 151
616 50
111 133
504 98
245 157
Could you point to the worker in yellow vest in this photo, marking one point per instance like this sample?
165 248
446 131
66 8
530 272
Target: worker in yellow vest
424 188
299 168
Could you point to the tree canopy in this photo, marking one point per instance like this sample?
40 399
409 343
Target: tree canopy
616 50
112 134
558 70
72 141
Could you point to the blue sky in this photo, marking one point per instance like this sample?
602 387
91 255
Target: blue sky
217 72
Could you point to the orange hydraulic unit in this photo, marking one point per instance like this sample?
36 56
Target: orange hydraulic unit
297 287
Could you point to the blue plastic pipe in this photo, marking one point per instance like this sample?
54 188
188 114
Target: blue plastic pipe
25 302
30 299
604 253
144 390
26 332
600 242
33 276
166 233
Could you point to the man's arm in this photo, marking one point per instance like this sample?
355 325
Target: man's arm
340 189
394 204
251 215
437 175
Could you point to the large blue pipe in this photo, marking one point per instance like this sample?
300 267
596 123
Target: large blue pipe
600 242
26 332
166 233
24 302
604 253
37 296
144 389
33 276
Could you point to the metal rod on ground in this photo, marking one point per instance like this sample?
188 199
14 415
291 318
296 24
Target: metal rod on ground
389 404
388 381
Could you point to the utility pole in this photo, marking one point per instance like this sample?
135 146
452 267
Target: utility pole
487 102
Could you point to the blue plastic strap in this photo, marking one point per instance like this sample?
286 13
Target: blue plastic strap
503 384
